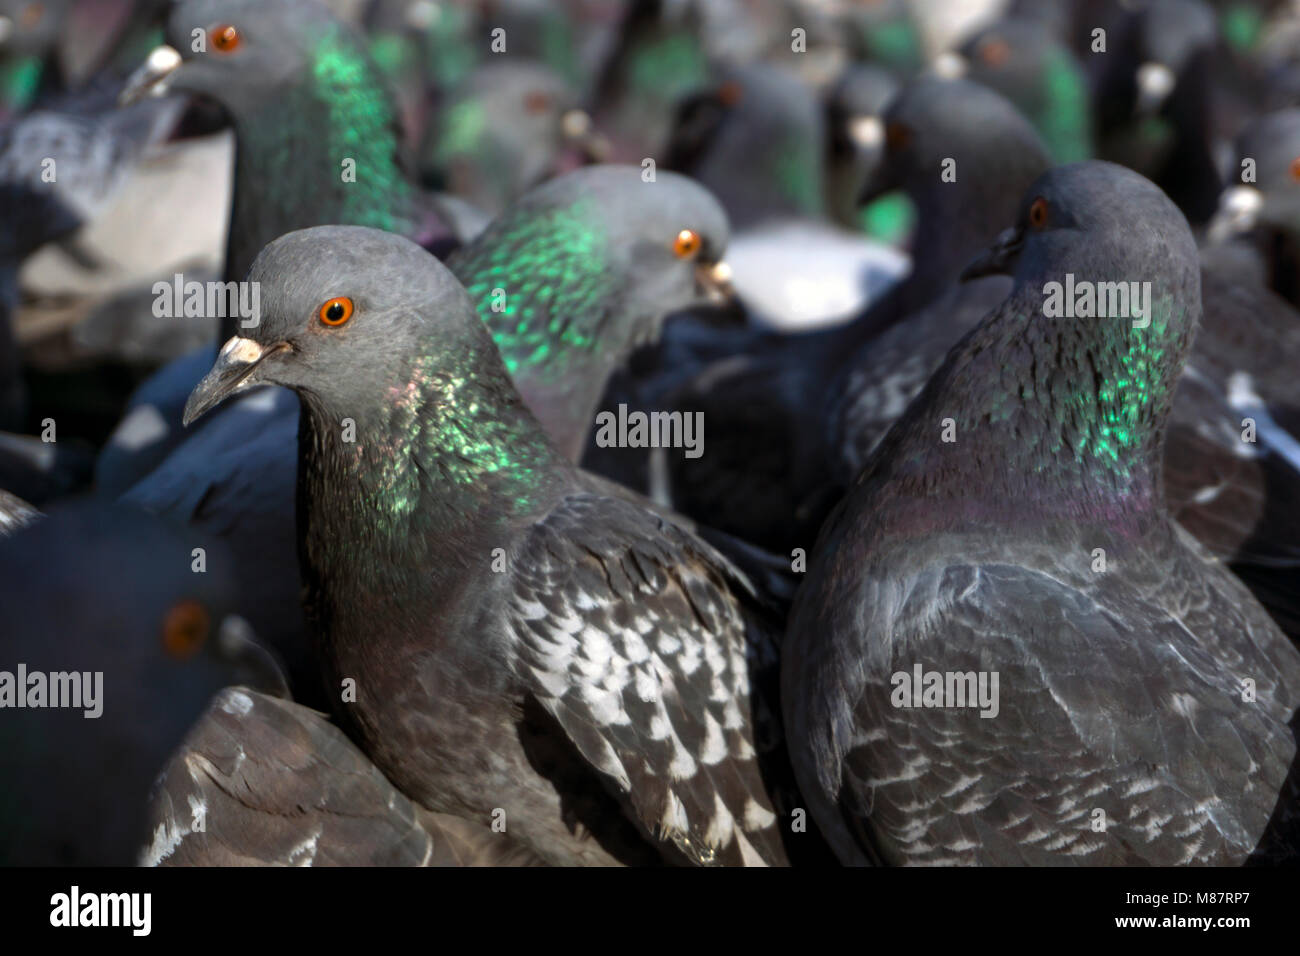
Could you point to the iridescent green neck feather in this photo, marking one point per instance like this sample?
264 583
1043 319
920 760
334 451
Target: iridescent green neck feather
1055 417
292 170
541 282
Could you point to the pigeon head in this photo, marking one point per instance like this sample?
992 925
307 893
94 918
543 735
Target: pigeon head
316 123
345 310
581 271
31 27
1063 213
241 54
401 388
112 594
1023 61
1272 200
756 140
504 130
995 154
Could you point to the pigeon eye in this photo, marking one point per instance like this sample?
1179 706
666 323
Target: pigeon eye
31 15
730 93
537 102
185 629
897 136
1295 170
995 51
336 311
687 244
1038 213
225 38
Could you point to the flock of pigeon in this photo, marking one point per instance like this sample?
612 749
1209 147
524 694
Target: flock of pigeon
629 432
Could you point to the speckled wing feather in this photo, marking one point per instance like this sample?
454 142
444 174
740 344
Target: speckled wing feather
627 635
15 513
1136 716
277 784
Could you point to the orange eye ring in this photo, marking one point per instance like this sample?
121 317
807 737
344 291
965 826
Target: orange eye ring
1038 213
537 101
225 38
687 244
185 629
1295 170
336 311
730 93
995 51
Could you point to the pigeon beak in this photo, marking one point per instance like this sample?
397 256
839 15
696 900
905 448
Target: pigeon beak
1155 82
950 66
714 278
233 372
1238 212
1000 258
151 78
580 131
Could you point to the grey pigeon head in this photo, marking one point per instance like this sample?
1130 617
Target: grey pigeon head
502 131
346 312
252 50
587 265
756 140
109 591
996 152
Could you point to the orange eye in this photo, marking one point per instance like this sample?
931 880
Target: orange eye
185 629
1038 213
1295 170
687 244
336 311
897 136
537 102
995 51
225 38
730 93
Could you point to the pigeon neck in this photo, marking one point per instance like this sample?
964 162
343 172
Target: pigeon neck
540 284
448 456
1059 417
330 154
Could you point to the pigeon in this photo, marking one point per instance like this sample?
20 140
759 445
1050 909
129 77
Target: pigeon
585 266
777 407
1142 698
503 131
1019 58
855 107
262 781
59 171
595 692
144 630
1157 108
757 138
317 141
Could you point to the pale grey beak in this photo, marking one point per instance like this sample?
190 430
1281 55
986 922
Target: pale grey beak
950 65
1238 212
1155 82
232 373
151 78
715 279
